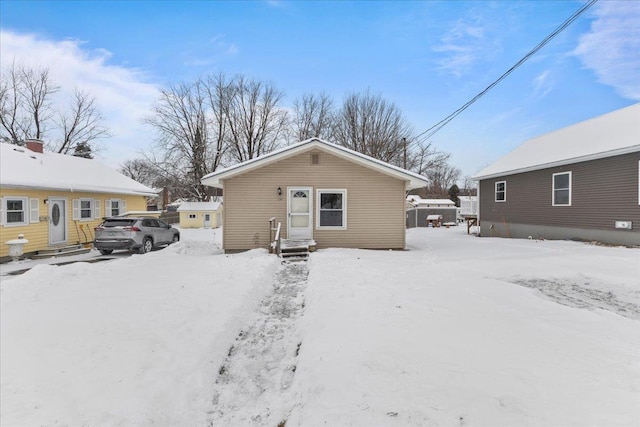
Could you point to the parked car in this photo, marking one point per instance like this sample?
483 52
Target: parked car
141 234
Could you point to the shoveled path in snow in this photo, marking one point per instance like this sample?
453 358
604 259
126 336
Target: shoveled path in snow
252 387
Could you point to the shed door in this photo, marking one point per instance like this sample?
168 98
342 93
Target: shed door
207 220
300 218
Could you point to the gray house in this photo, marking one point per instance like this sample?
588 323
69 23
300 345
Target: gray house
580 183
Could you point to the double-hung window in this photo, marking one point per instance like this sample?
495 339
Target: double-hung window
114 207
501 191
332 209
15 209
561 189
86 208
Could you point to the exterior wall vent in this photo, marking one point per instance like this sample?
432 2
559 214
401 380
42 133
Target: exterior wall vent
315 159
625 225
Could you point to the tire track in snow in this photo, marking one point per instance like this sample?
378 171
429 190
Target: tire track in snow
252 387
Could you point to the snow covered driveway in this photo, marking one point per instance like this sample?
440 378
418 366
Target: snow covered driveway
457 330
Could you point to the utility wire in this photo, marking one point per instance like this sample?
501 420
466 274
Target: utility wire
435 128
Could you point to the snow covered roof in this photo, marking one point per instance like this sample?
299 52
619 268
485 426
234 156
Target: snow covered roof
214 179
23 168
417 200
199 206
610 134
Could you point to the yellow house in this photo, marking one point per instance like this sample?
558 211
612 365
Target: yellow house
200 214
57 200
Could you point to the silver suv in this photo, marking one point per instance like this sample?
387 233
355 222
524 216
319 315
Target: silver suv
141 234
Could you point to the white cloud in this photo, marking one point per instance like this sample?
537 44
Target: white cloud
611 48
542 84
462 45
122 94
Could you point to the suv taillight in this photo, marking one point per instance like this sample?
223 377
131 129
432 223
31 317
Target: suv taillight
133 228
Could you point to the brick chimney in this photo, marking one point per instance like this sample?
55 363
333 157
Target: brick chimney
34 145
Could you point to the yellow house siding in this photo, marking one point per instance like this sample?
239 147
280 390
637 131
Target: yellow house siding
198 221
78 231
375 203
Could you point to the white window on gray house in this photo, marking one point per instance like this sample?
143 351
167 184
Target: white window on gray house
332 209
501 191
562 189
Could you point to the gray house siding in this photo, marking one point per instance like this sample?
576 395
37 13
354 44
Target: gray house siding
602 191
417 217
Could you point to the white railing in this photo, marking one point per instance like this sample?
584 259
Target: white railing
274 236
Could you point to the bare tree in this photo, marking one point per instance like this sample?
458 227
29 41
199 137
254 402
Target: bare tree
82 124
441 178
314 117
182 147
27 111
371 125
255 120
424 158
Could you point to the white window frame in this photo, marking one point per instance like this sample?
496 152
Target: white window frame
319 193
108 209
193 216
553 188
77 214
495 191
25 211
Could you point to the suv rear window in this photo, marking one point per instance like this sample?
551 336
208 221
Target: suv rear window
118 222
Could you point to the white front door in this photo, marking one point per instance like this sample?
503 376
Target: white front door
207 220
57 221
300 208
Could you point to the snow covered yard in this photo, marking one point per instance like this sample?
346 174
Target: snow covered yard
457 330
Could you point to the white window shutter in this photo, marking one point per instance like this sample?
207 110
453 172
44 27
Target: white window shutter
96 209
123 207
34 210
107 207
1 211
76 209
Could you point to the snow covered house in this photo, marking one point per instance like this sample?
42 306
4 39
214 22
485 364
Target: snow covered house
317 191
420 209
200 214
580 182
56 200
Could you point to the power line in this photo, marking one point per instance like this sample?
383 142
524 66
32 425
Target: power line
435 128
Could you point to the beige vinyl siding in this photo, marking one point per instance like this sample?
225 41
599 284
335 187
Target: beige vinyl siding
38 233
375 203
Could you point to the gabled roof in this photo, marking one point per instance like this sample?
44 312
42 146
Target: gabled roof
23 168
414 180
198 206
610 134
417 200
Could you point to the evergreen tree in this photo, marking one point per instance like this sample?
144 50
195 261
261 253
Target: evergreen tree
454 191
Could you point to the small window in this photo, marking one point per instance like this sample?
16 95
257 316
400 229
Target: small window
114 207
332 209
192 216
501 191
562 189
86 208
15 209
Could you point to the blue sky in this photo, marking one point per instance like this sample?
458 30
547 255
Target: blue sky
427 57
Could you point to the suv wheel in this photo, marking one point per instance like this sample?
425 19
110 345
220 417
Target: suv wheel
106 251
147 245
176 238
